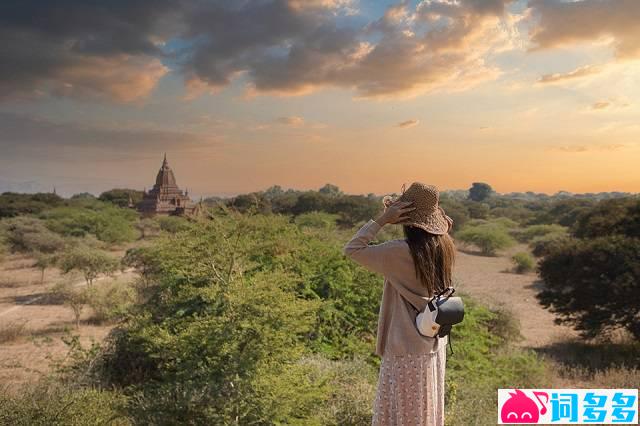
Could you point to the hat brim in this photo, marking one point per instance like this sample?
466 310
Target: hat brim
437 223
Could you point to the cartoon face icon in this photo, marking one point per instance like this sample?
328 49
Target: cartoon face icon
519 408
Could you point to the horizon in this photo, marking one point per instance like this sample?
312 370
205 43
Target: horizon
526 95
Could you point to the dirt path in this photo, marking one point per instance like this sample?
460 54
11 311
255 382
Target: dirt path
489 280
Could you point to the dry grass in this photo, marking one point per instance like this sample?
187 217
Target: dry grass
12 331
11 282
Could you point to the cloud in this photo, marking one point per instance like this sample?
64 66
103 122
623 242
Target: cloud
119 50
601 105
82 49
407 124
44 137
586 148
563 23
581 72
293 121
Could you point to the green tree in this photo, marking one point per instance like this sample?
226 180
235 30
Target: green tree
120 197
330 190
480 191
89 261
222 338
45 261
488 237
74 297
594 284
616 216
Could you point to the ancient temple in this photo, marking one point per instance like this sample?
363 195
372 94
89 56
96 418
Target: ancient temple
165 198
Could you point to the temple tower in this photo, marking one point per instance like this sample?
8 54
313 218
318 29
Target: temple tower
165 198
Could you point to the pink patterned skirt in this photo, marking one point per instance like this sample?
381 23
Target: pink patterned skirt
411 390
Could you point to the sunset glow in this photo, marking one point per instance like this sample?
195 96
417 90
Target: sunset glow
537 95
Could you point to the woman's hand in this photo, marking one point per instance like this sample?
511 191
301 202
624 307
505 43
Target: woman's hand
394 213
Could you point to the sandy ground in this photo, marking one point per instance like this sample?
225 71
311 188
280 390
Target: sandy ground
25 300
490 280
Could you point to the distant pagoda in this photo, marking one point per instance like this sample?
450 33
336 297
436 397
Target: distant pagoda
165 198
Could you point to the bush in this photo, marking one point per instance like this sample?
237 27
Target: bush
173 224
107 222
3 249
543 245
110 301
456 211
50 403
352 385
594 284
13 204
318 220
535 231
222 337
617 216
27 235
488 237
524 262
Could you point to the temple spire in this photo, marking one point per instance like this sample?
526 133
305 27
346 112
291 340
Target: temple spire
164 161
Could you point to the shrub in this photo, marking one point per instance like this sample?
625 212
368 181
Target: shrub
488 237
523 261
617 216
516 213
594 284
110 301
318 220
221 339
51 403
541 246
173 224
13 204
535 231
456 211
352 385
477 210
27 235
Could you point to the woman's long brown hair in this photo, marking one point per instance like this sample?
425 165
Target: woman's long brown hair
433 256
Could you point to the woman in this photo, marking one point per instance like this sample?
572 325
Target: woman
411 381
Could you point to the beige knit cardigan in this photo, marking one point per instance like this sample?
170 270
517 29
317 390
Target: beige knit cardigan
403 295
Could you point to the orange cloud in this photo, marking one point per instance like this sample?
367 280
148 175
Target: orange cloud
122 78
407 124
571 75
562 23
293 121
601 105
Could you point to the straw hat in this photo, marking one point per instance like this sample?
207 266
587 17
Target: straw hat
427 215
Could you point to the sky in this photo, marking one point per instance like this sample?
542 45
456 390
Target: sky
537 95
